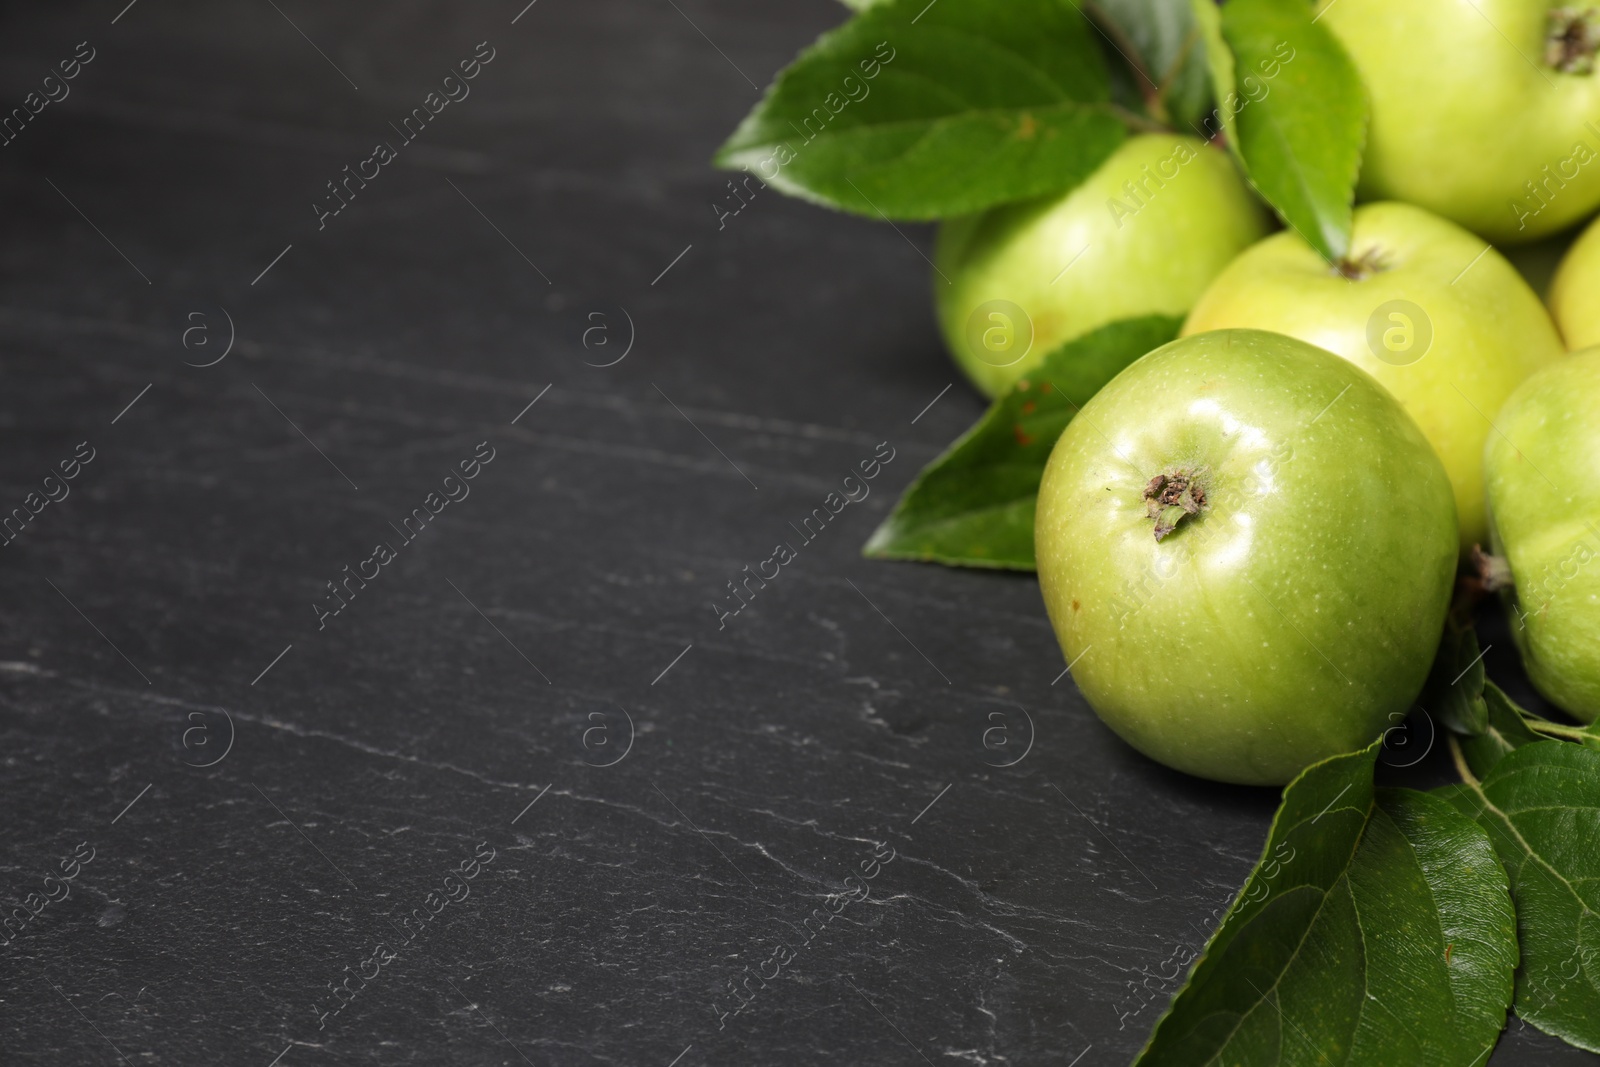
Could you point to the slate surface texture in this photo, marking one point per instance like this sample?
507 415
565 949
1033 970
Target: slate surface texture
524 755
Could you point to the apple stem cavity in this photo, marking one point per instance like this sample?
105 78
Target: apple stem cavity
1571 39
1355 268
1174 495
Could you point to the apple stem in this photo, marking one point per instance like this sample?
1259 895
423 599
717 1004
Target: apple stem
1168 520
1494 572
1355 268
1571 39
1173 496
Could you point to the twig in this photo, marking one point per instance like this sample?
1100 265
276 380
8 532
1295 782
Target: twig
1556 729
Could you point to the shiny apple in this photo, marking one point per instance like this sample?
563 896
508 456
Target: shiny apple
1544 500
1246 548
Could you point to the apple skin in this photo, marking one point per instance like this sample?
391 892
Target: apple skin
1489 330
1152 252
1465 111
1544 500
1298 615
1575 291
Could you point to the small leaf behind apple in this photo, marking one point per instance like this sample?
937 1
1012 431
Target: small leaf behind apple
1503 732
1219 65
1454 692
1161 37
974 505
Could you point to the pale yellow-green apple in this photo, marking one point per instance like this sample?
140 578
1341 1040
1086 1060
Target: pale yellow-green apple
1544 503
1143 235
1484 111
1247 550
1575 291
1428 309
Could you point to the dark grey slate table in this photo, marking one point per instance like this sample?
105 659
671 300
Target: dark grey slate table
523 797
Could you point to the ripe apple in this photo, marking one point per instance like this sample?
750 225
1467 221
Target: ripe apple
1246 548
1544 500
1422 305
1484 111
1143 235
1575 291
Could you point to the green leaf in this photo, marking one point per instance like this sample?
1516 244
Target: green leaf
920 111
1162 39
1376 930
1454 691
1219 64
1590 734
1300 114
1541 806
974 505
1504 731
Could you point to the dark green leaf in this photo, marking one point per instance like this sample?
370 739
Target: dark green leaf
1541 806
974 505
1453 693
1219 66
920 111
1300 113
1503 732
1376 930
1160 37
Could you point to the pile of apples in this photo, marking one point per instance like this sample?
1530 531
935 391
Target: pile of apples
1248 542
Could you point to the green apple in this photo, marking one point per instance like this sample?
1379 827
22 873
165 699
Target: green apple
1422 305
1247 549
1142 236
1575 291
1484 111
1544 499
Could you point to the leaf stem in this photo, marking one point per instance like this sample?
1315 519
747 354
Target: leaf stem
1461 764
1556 729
